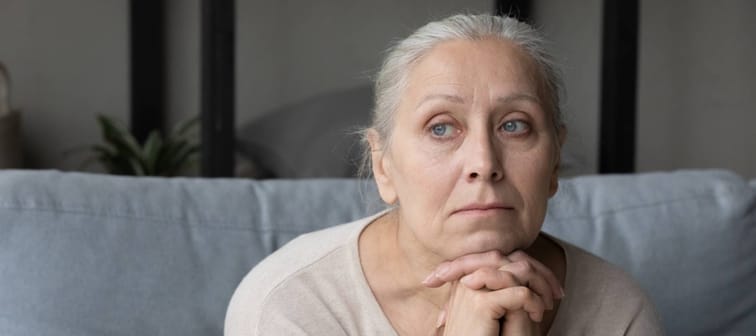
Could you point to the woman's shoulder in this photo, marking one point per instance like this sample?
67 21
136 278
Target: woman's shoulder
588 272
602 298
304 252
294 271
301 253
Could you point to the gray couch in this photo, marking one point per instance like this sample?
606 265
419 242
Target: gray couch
85 254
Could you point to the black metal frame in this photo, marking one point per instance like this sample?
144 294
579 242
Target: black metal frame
519 9
218 131
619 72
147 66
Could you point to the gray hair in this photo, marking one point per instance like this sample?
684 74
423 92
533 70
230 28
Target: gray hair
392 77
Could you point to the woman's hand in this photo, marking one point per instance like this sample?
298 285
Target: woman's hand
478 306
488 286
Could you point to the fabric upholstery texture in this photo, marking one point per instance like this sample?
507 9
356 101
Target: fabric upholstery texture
86 254
689 238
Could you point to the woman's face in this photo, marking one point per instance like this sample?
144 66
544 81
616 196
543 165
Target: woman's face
473 156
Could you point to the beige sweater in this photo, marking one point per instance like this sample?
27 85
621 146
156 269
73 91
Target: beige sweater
315 286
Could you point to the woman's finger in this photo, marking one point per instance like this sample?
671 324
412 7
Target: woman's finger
556 286
528 276
510 275
519 323
480 311
490 278
467 264
453 270
512 299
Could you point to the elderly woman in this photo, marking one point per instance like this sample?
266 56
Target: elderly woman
465 146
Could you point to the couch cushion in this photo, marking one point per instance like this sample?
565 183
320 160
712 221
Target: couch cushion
85 254
688 237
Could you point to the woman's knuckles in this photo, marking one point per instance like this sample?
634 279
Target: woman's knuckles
518 254
521 268
521 293
512 298
495 257
491 279
530 269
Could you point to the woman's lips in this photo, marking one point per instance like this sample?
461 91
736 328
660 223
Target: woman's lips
483 209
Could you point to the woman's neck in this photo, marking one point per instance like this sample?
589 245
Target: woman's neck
396 278
399 262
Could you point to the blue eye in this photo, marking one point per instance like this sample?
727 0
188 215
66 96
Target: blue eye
442 130
515 126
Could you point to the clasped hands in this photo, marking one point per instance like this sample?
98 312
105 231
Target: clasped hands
495 294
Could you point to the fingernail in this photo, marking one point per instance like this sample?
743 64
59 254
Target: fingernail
561 293
465 280
440 320
428 279
441 271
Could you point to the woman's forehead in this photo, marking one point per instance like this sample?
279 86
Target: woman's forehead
454 67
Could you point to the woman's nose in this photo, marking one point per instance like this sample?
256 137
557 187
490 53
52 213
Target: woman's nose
483 161
494 175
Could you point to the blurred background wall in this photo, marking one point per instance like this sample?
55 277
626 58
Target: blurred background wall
68 60
696 99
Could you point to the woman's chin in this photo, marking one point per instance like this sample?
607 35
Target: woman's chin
482 242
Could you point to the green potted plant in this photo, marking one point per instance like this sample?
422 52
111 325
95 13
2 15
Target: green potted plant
169 155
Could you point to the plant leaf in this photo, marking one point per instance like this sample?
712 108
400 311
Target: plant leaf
136 167
181 128
118 138
128 159
170 164
120 153
151 152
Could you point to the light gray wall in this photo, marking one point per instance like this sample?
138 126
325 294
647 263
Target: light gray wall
68 61
288 51
182 64
697 82
574 30
697 85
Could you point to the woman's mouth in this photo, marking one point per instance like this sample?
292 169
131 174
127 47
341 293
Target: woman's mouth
483 209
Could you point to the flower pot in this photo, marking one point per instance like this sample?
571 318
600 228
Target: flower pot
10 140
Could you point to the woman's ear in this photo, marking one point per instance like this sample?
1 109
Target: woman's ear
381 166
561 135
554 183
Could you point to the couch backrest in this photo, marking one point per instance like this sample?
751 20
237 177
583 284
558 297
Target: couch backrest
688 237
85 254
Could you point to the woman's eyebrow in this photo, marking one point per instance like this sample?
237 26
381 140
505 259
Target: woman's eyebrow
449 97
516 97
459 100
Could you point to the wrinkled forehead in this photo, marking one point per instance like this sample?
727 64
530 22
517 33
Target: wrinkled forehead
462 66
